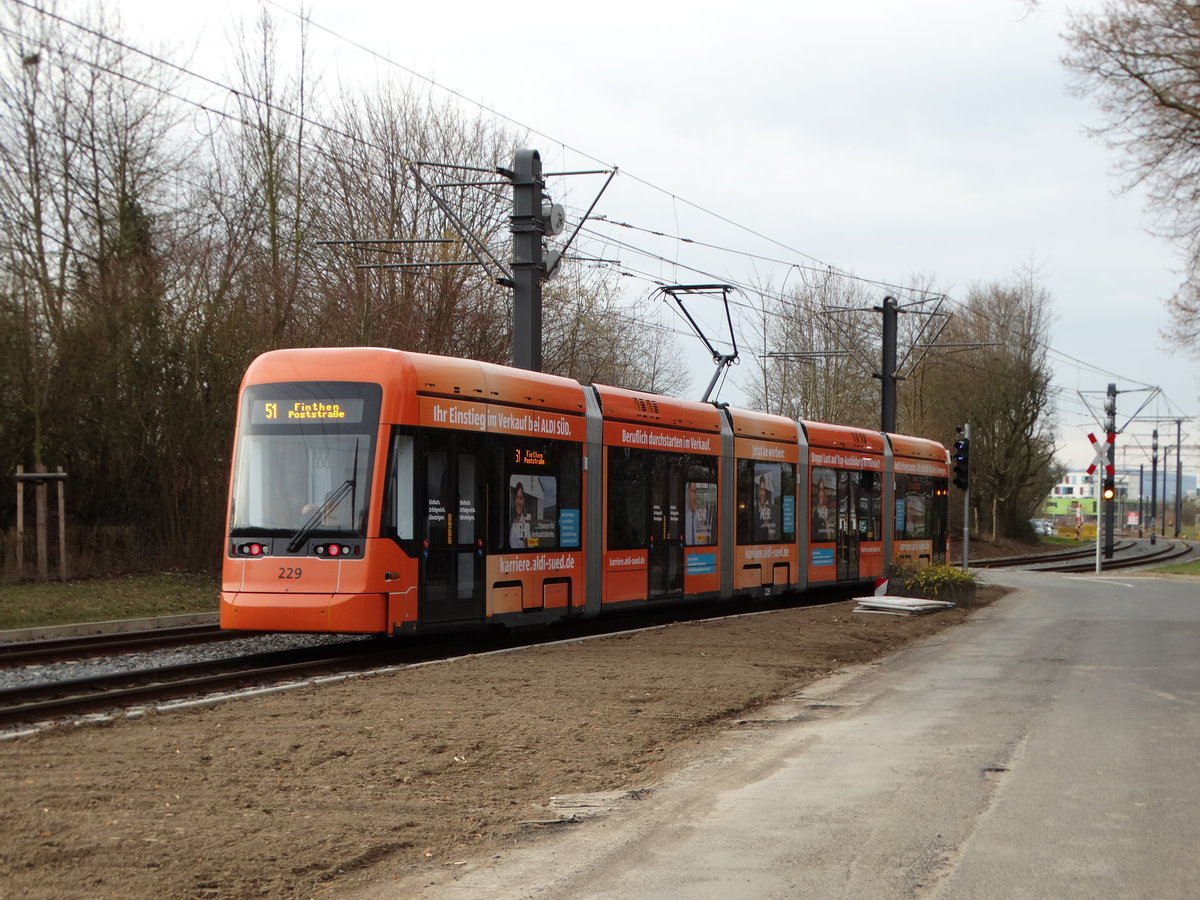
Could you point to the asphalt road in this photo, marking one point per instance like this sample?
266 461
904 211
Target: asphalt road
1050 747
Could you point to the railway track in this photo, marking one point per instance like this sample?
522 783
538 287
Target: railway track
36 703
62 698
1171 551
1005 562
22 653
55 700
1132 554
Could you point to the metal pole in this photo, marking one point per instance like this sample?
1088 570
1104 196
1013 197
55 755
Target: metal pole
1165 469
1099 474
1153 486
1110 509
62 525
528 228
966 540
887 376
1141 490
20 520
1178 475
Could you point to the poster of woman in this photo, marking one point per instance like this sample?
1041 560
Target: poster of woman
823 512
518 531
766 503
700 513
533 512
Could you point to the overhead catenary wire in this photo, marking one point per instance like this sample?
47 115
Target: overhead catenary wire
814 264
305 119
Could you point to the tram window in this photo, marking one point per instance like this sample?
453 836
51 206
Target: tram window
824 506
870 507
766 500
913 496
542 503
666 497
627 498
745 503
398 501
282 479
533 506
787 500
938 523
437 527
570 495
304 447
700 502
466 498
916 517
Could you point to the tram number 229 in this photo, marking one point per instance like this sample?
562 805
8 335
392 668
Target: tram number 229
290 572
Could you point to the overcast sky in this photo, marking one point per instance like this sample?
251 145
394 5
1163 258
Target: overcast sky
931 139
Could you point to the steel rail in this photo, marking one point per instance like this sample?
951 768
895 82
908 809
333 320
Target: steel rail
52 700
1055 556
27 703
1171 551
23 652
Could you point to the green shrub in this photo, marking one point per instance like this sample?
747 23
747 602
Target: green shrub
933 582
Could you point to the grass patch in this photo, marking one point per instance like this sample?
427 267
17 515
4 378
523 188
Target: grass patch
105 599
1187 568
1054 541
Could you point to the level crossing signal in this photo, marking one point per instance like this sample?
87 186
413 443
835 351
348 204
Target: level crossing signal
1109 489
962 463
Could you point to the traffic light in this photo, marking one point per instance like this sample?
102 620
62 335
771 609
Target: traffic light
962 463
1109 489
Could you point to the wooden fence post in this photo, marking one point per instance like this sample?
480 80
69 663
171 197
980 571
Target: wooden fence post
43 512
41 499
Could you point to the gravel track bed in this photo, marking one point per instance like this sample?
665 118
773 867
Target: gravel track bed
51 673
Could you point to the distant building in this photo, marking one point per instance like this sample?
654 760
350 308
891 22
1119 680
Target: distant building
1166 484
1075 496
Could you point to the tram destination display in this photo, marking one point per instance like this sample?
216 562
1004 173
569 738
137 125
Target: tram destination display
266 411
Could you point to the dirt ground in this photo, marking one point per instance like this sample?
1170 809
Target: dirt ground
320 790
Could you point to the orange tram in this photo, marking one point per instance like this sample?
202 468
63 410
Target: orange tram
379 491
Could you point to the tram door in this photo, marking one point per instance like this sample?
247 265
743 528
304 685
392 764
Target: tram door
452 565
847 523
666 527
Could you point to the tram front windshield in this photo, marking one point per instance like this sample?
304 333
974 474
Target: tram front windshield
303 459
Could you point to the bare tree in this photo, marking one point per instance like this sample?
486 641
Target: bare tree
818 352
590 335
1141 60
261 168
1002 389
94 314
38 210
141 268
370 194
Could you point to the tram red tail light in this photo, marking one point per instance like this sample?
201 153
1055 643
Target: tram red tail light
332 550
251 549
